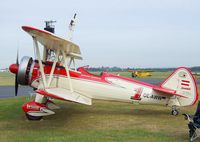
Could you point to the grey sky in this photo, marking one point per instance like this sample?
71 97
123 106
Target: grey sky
124 33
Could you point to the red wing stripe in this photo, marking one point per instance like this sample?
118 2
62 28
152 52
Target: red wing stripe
28 29
186 81
43 92
184 84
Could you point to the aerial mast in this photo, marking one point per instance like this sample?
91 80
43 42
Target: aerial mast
71 27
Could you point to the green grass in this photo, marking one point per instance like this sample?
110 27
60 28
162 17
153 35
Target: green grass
103 121
6 79
159 75
198 76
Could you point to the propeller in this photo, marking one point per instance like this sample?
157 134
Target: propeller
16 77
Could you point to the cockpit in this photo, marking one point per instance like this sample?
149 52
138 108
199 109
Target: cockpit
85 70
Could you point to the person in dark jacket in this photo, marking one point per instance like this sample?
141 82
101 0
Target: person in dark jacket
196 121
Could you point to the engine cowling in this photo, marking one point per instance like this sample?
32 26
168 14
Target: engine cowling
24 70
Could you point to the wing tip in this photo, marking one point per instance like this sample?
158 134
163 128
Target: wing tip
30 28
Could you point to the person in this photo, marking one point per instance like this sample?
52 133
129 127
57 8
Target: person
196 121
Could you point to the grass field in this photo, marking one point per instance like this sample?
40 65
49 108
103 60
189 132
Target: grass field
6 79
103 121
160 75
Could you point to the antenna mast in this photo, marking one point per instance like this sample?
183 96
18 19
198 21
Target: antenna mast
71 27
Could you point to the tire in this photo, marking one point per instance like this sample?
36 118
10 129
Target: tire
174 112
34 118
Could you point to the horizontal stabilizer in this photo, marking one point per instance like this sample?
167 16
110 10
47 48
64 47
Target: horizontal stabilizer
167 91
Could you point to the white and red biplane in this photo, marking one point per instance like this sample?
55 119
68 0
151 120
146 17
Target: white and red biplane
57 77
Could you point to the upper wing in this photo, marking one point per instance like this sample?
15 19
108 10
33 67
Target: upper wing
64 94
53 42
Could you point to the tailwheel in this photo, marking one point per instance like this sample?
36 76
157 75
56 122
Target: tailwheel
174 111
30 117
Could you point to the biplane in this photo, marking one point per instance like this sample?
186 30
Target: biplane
53 74
140 73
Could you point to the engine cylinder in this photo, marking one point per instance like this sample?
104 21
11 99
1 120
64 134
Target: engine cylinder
24 70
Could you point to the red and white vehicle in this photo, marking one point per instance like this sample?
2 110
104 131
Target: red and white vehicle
56 77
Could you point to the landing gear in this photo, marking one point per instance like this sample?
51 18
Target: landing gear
174 111
191 133
30 117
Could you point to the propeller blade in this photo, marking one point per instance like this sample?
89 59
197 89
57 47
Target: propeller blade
16 84
16 77
17 60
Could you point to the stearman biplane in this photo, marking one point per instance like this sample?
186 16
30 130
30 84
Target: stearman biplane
140 73
55 75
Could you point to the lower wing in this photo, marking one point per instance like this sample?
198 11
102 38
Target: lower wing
64 94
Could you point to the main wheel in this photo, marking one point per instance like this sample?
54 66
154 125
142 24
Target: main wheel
30 117
174 112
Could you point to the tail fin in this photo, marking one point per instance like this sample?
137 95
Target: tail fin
183 82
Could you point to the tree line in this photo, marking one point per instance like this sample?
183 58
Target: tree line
118 69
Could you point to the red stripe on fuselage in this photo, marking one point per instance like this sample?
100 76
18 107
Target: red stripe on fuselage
184 84
186 81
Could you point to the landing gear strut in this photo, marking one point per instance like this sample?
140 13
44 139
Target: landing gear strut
174 111
30 117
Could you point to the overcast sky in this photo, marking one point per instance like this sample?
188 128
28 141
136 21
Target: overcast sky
124 33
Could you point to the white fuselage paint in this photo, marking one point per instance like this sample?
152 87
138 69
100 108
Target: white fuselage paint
117 90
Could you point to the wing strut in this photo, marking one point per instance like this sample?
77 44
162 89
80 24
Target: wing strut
74 64
67 70
53 68
70 62
35 44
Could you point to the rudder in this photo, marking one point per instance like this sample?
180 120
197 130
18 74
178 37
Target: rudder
184 83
